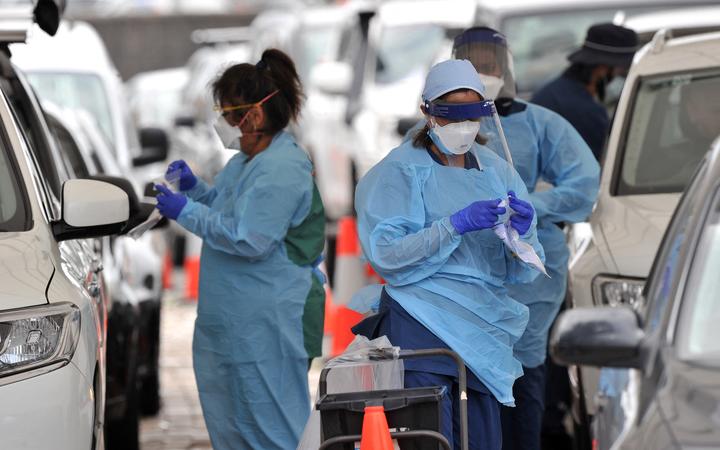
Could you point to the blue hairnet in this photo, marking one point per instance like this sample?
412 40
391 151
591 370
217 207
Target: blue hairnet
449 76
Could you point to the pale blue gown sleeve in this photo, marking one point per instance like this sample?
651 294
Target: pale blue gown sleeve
569 165
202 192
392 229
256 221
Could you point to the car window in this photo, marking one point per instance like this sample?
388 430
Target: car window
70 151
13 213
699 333
672 124
314 45
76 91
403 50
667 263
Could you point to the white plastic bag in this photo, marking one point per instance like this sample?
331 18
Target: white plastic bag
520 248
364 366
172 181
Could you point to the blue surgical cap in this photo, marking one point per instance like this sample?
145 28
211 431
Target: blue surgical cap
449 76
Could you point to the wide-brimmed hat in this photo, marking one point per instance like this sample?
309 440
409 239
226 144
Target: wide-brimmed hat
609 44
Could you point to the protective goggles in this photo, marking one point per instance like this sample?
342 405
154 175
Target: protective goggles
225 110
460 111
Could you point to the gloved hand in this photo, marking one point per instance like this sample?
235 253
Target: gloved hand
188 180
479 215
169 203
523 216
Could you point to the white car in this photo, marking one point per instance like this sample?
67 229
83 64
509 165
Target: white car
405 38
665 122
542 34
155 97
53 306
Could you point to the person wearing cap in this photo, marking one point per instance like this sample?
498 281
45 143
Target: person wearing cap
426 214
578 93
544 146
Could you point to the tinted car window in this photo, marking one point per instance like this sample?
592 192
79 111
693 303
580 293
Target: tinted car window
69 148
673 122
405 49
668 264
699 330
13 213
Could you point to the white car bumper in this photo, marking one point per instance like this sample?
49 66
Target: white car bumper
50 411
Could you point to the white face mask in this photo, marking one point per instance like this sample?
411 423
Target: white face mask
493 85
454 138
229 135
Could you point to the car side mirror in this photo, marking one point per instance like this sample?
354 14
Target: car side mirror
91 208
185 121
155 146
601 336
332 77
48 14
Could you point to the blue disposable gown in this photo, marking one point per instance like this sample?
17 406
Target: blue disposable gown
453 285
248 354
546 147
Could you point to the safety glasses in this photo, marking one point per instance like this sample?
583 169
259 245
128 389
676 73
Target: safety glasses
234 114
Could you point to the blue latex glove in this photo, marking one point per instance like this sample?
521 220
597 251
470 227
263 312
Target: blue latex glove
169 203
523 216
479 215
188 180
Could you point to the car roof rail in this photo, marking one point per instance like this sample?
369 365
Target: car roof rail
658 41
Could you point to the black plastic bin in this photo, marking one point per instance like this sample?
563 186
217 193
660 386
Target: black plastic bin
405 410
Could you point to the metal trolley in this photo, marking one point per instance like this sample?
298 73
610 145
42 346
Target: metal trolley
356 402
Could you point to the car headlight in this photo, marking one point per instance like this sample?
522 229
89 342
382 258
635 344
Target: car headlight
614 291
37 340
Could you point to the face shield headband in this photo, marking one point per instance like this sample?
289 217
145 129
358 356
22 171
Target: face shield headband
460 111
488 51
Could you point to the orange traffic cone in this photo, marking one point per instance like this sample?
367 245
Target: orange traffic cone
193 246
375 431
349 278
167 270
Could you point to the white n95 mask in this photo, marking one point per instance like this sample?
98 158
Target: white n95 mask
229 135
493 85
455 138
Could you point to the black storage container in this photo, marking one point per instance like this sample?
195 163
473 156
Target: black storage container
405 409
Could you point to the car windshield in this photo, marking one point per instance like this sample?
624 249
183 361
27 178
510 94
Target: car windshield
405 49
316 45
12 208
699 331
541 43
77 91
672 123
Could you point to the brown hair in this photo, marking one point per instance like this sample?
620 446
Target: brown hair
274 72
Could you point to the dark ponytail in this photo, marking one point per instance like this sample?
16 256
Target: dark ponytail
248 83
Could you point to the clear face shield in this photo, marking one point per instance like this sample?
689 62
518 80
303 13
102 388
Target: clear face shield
478 122
488 52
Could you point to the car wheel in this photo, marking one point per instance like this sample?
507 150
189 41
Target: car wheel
123 434
150 402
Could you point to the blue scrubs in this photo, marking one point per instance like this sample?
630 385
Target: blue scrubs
569 98
248 354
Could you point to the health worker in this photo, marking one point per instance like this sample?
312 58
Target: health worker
262 225
426 215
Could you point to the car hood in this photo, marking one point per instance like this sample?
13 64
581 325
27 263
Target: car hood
691 407
633 227
25 270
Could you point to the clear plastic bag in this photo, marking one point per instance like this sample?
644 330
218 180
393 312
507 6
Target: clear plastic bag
512 240
172 181
365 366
